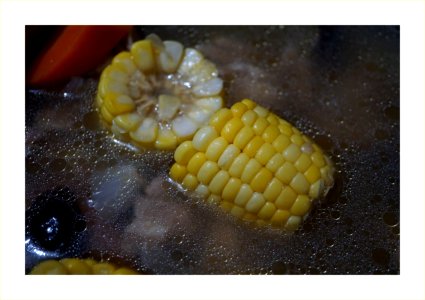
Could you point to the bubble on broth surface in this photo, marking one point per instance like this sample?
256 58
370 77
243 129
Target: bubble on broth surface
306 75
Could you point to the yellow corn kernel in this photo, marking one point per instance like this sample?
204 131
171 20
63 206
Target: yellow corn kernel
255 203
124 271
286 198
124 59
203 191
178 172
243 137
238 165
249 217
228 156
231 189
297 140
293 223
285 129
280 217
196 162
275 162
270 134
238 109
261 111
281 143
261 180
273 190
118 104
190 182
249 103
214 199
317 159
303 162
103 269
203 137
143 55
76 266
108 85
231 128
301 205
216 148
220 118
207 172
267 211
146 132
249 118
250 170
226 206
237 211
219 181
286 172
107 116
260 125
312 174
300 184
49 267
316 189
252 147
265 153
184 152
116 73
273 119
244 194
128 122
90 262
291 153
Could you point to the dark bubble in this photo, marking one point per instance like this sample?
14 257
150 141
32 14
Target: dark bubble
381 256
57 165
177 255
390 219
330 242
91 120
335 214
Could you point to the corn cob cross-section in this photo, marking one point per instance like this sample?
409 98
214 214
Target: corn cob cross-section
76 266
254 165
158 94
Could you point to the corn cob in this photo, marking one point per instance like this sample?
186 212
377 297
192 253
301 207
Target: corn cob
254 165
158 94
76 266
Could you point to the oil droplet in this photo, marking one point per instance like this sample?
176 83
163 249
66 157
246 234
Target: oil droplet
376 199
390 219
91 121
324 141
392 113
381 256
381 134
57 165
31 167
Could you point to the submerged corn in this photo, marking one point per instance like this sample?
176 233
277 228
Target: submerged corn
254 165
76 266
158 94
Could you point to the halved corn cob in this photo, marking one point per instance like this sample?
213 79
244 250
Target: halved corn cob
158 94
254 165
76 266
